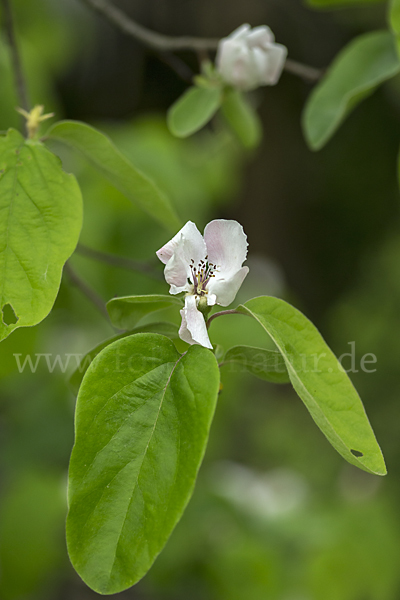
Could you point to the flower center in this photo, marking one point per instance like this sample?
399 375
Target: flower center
201 275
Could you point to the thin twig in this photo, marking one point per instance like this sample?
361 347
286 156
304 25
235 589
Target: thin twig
86 290
164 43
224 312
120 261
150 38
20 83
303 71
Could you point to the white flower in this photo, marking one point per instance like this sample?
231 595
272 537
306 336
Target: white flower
249 58
208 269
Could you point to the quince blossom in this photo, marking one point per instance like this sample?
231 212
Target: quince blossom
208 269
249 58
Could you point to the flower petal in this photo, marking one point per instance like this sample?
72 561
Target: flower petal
232 61
260 65
249 58
188 231
211 299
193 329
176 273
225 289
226 247
187 245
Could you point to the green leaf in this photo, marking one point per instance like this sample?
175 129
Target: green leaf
127 311
320 381
394 20
339 3
242 118
41 219
365 63
193 110
268 365
170 330
108 160
142 422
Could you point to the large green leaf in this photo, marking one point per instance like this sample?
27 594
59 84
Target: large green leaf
41 218
127 311
242 118
193 110
268 365
108 160
142 422
168 329
365 63
320 381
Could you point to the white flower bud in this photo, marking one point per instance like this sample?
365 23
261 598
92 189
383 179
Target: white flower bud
249 58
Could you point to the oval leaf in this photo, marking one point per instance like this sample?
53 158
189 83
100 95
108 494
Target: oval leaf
170 330
365 63
320 381
127 311
268 365
142 422
41 219
108 160
242 118
193 110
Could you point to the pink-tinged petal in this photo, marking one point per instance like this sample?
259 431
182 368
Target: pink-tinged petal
188 232
225 289
187 245
193 329
176 273
211 299
226 247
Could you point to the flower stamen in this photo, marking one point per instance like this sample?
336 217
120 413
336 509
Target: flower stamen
201 276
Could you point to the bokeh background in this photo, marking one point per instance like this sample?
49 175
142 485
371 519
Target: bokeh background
276 514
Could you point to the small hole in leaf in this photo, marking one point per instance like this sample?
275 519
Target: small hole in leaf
357 453
9 316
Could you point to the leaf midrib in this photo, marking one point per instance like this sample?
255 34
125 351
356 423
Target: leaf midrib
292 370
136 484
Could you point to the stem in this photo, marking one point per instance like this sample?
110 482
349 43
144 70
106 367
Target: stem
150 38
164 43
119 261
86 290
20 83
304 71
221 313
